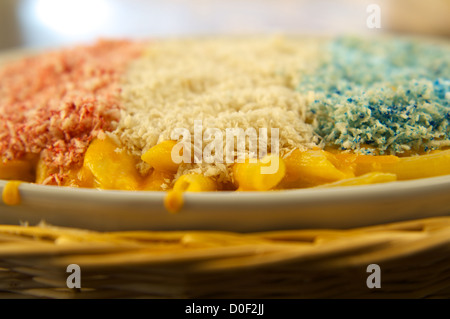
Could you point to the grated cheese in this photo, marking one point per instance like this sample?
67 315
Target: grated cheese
224 82
381 96
54 104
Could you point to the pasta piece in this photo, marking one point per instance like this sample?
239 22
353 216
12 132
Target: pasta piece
18 169
73 177
251 176
311 168
361 164
195 183
42 172
187 183
413 167
160 157
369 178
155 180
111 169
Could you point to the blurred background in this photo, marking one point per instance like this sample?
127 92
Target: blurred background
50 23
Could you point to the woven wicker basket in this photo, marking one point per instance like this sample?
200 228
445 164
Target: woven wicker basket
414 258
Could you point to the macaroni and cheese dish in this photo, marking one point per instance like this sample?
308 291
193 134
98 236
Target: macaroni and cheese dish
226 114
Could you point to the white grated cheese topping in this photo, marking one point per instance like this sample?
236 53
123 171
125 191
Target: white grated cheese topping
226 82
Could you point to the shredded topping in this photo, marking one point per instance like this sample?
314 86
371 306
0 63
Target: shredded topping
224 83
57 102
382 96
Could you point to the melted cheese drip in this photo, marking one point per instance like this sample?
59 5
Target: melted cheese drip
11 194
173 201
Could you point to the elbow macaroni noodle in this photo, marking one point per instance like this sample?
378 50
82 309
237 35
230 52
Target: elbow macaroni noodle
105 167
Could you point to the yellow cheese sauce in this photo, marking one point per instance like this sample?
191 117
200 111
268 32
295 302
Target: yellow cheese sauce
173 201
11 194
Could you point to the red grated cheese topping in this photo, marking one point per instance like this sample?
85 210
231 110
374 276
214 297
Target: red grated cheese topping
54 104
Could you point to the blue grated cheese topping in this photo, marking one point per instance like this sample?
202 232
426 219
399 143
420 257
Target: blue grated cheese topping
381 96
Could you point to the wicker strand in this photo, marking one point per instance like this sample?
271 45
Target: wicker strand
414 258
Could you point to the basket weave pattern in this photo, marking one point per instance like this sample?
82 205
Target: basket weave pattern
414 258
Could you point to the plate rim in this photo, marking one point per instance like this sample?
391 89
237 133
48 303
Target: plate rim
388 189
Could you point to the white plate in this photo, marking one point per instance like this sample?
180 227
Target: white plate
343 207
